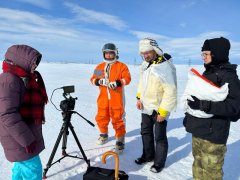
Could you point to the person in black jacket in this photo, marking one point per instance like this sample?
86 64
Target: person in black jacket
209 135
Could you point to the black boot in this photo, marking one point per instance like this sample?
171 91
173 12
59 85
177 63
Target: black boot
141 161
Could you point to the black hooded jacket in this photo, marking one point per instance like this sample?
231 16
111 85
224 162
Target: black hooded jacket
219 71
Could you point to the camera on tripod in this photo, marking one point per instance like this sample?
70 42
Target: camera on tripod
69 103
67 107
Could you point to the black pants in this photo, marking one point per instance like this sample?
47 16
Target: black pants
154 150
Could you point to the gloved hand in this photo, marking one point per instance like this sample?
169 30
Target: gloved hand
114 84
101 82
194 104
31 148
202 105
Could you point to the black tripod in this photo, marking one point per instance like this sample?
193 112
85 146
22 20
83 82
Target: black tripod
64 132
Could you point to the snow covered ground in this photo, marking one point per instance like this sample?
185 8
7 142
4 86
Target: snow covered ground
179 161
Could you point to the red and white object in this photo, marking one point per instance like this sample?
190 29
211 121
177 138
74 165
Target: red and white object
203 89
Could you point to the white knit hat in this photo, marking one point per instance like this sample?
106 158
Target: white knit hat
148 44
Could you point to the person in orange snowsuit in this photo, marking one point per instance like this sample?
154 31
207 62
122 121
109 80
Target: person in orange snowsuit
111 76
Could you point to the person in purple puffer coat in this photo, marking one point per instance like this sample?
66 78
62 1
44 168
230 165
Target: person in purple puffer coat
22 100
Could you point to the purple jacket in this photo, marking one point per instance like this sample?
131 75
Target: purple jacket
15 134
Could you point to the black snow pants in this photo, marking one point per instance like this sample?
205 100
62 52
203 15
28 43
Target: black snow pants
154 150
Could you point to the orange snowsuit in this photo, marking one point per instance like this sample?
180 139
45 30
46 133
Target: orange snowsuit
111 102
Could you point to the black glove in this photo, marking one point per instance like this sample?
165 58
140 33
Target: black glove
113 85
194 104
202 105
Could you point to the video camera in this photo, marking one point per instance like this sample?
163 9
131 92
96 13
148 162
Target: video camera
69 103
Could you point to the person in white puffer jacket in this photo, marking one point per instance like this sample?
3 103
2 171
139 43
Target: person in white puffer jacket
156 98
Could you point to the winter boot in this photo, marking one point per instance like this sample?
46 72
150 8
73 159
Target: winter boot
156 169
120 143
142 160
102 139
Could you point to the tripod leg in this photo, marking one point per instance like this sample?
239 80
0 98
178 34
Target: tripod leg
49 164
64 142
79 145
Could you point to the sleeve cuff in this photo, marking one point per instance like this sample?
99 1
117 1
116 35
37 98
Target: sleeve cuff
163 112
118 82
96 82
138 95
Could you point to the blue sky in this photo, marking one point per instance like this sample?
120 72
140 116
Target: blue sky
76 30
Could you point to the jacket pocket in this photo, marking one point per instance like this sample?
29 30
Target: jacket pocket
197 126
